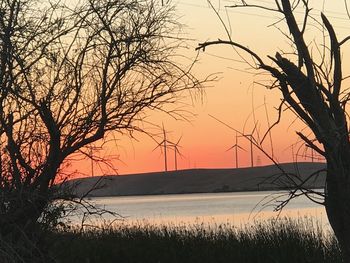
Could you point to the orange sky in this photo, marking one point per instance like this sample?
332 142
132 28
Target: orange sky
204 140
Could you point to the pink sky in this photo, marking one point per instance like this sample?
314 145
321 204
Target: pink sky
231 99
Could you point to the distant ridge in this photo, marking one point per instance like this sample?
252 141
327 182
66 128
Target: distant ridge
199 181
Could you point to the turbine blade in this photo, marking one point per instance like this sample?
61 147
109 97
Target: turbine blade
178 141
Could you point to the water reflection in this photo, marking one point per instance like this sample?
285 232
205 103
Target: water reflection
237 209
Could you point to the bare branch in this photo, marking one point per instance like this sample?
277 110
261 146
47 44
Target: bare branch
202 46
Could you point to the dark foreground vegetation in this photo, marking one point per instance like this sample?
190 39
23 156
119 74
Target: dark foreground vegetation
284 241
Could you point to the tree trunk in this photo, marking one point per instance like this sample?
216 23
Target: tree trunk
337 202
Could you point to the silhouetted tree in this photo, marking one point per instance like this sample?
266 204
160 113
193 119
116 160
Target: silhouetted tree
313 88
69 75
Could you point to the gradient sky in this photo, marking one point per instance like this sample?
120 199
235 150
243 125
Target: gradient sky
232 98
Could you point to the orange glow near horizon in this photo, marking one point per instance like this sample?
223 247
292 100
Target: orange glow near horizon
232 98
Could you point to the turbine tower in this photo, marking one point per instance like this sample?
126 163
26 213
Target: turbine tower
236 147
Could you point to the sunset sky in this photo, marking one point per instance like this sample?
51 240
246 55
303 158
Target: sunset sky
232 98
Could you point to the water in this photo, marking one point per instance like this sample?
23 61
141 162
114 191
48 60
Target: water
209 208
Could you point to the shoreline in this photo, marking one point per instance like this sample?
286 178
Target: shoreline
192 181
189 193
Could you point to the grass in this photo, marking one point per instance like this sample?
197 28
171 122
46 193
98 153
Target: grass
284 241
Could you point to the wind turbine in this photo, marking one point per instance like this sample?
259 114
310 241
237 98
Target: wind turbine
91 159
236 147
312 157
92 162
163 144
176 151
250 137
269 128
258 160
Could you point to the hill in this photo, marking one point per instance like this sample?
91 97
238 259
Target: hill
202 180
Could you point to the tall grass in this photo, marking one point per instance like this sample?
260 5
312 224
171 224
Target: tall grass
282 241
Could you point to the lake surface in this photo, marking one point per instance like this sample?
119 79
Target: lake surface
236 209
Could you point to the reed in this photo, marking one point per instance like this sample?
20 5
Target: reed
284 240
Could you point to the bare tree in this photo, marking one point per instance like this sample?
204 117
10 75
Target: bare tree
313 88
69 75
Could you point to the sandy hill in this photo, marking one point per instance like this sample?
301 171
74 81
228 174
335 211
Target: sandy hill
202 180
